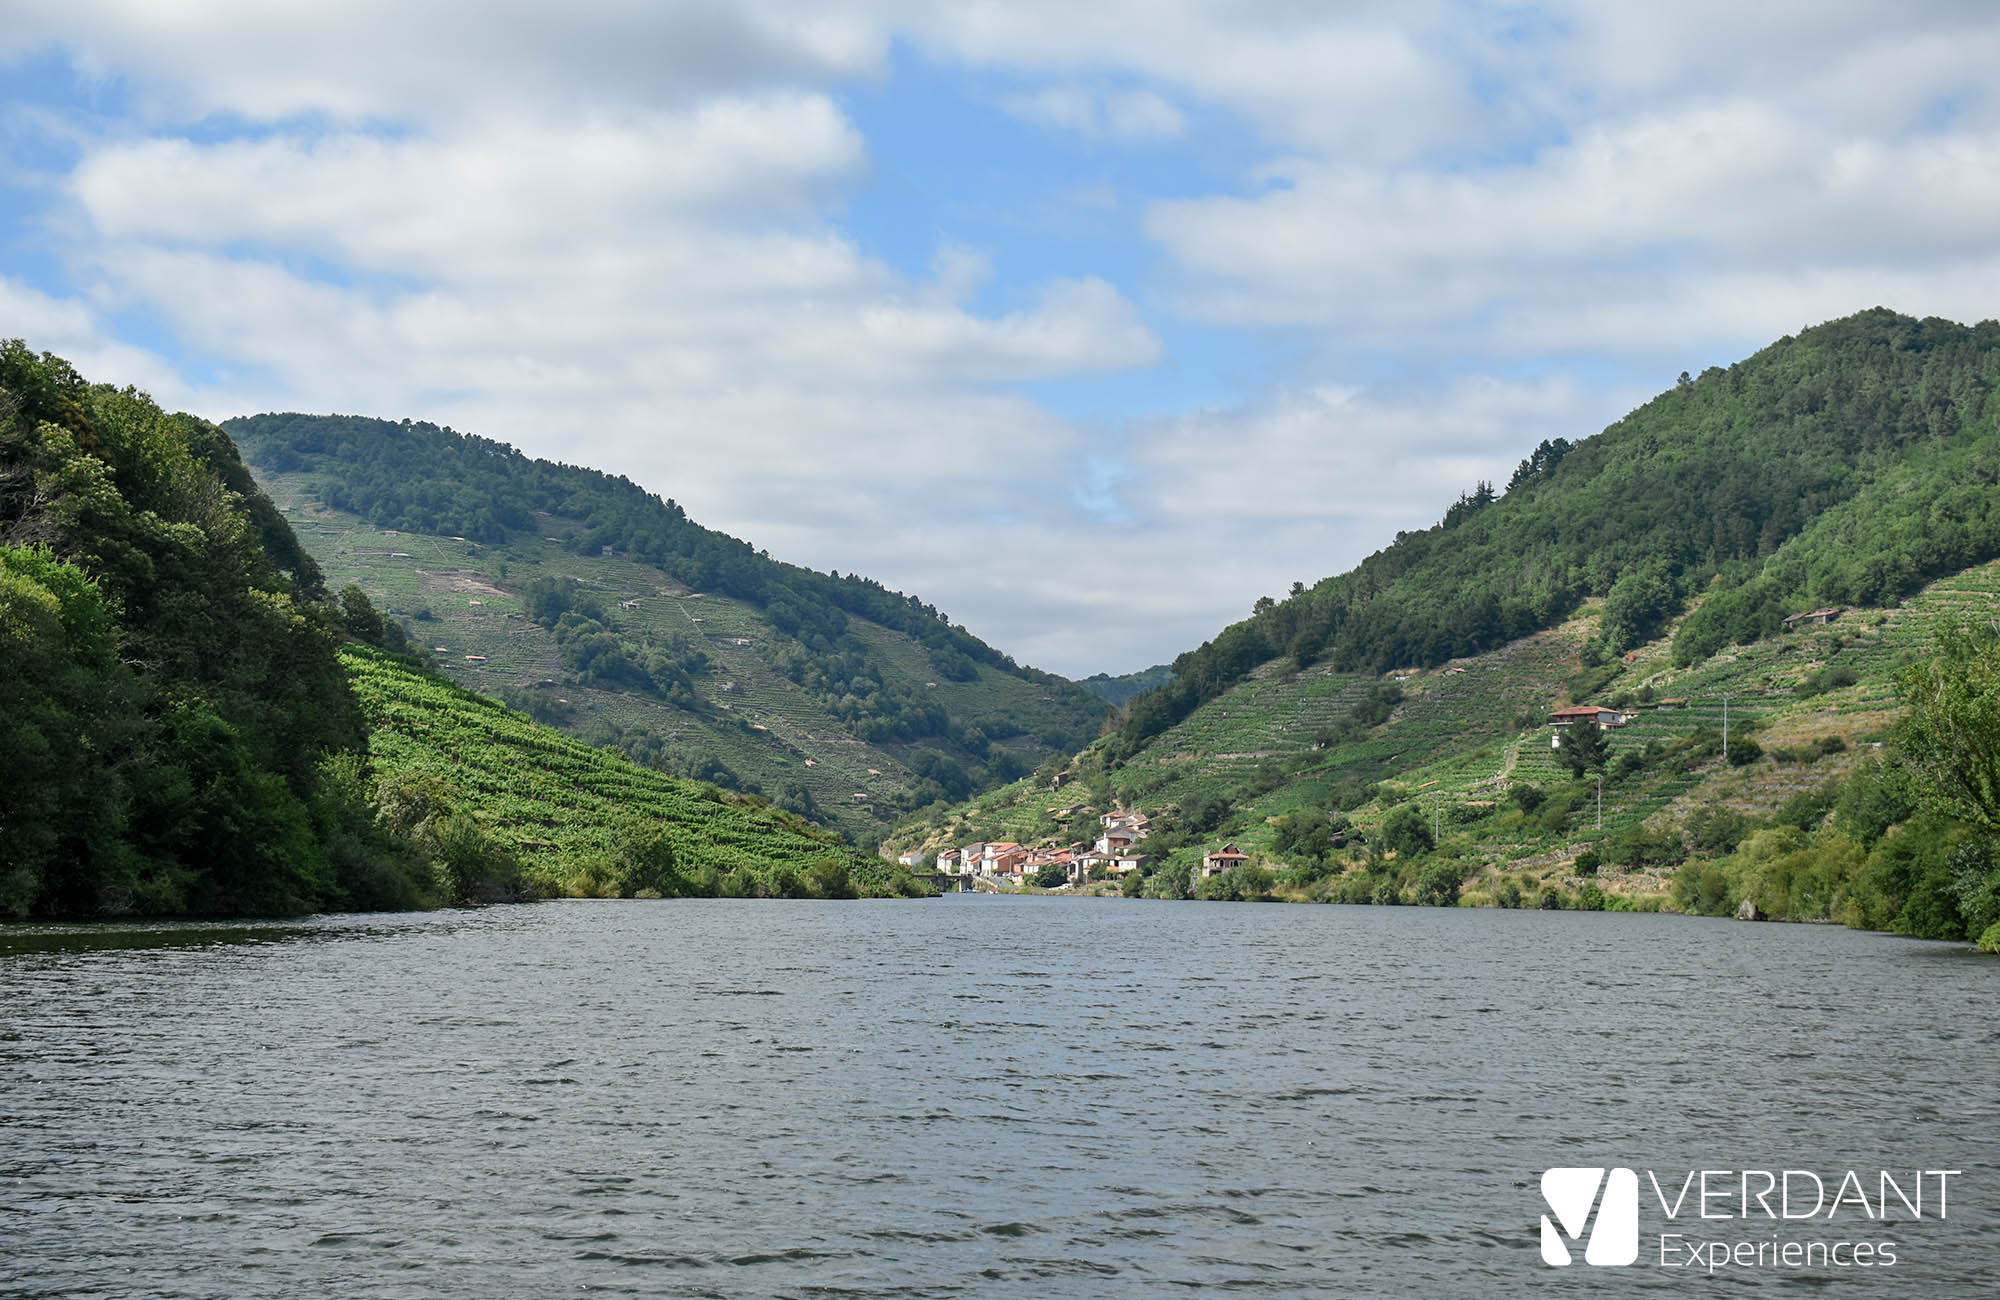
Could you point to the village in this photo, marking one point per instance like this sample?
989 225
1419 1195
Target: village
1009 865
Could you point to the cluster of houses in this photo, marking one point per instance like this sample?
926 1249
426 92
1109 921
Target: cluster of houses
1008 863
1115 854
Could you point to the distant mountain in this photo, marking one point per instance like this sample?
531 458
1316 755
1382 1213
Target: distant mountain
599 607
1736 572
1116 690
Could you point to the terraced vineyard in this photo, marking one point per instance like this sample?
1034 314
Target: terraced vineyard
755 730
555 799
1465 735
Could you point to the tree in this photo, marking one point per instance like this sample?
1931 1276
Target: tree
1582 748
1438 886
359 615
828 878
1407 831
1950 739
1051 876
1638 605
643 860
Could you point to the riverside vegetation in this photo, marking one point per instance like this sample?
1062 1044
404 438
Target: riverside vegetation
1380 737
203 726
187 713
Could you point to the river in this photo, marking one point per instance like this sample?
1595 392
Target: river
972 1096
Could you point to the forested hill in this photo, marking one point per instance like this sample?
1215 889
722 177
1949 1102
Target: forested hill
1775 589
184 735
601 608
421 478
1117 690
1848 464
170 701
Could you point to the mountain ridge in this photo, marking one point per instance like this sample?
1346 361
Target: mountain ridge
1830 407
600 607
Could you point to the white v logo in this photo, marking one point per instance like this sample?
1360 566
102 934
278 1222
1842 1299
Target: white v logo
1573 1195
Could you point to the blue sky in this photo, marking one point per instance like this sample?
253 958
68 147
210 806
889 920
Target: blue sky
1089 325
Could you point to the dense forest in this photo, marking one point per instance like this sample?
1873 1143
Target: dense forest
1849 464
176 720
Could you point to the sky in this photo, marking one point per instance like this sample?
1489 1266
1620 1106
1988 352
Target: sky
1087 324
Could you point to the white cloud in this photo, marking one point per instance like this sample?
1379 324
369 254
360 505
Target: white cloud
475 203
1346 79
613 233
1688 209
374 60
76 332
1218 507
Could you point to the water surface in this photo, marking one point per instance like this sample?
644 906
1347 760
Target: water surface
965 1097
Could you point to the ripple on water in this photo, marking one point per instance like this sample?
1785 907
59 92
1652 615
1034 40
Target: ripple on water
978 1097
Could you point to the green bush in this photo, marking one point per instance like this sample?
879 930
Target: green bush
1439 884
1703 889
1714 832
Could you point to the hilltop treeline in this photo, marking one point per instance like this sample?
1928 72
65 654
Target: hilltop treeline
422 478
1115 691
1849 464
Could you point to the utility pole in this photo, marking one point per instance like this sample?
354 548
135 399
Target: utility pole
1600 801
1437 817
1725 722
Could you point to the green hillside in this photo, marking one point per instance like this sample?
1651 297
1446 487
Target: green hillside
597 607
1847 465
571 811
1356 768
192 727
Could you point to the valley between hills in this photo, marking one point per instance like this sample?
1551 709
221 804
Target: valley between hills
1776 582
